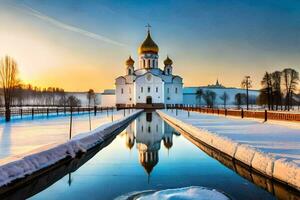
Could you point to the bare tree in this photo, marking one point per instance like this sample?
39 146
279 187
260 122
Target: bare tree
209 97
240 99
276 89
9 81
290 81
266 93
246 83
224 97
73 101
199 95
90 96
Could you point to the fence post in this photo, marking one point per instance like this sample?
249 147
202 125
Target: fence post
225 112
124 112
70 131
107 111
56 111
242 113
95 110
21 113
32 112
266 115
176 111
47 112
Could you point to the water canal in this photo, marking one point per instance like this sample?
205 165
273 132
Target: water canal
148 155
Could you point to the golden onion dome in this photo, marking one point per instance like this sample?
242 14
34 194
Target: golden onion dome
168 61
148 46
129 61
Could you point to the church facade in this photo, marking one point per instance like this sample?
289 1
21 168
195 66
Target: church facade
147 85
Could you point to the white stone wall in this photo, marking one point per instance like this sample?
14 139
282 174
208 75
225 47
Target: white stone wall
108 100
149 81
124 91
189 95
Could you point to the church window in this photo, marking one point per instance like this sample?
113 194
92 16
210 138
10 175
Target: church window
176 90
149 129
149 89
142 128
144 63
156 89
168 71
129 71
168 90
129 99
149 64
141 89
153 63
122 91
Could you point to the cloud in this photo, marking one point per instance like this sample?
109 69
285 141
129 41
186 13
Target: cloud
74 29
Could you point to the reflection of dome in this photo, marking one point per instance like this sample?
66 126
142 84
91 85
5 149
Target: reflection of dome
148 160
168 61
129 61
129 142
148 46
168 143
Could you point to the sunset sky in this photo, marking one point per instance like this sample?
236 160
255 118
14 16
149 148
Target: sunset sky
80 44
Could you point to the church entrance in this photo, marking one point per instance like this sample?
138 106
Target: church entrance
149 100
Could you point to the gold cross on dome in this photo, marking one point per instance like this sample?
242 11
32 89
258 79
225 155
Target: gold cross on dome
148 26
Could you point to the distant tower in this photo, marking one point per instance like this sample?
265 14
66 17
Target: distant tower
168 66
129 66
148 53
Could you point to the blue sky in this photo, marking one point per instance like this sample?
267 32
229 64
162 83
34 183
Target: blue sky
206 39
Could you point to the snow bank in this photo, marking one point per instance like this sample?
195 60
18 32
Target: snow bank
287 171
281 169
15 167
188 193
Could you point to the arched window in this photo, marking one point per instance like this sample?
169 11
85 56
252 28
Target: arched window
149 63
122 91
144 64
168 71
141 89
129 71
176 90
149 89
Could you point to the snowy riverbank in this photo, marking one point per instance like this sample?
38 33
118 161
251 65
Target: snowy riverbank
273 150
19 166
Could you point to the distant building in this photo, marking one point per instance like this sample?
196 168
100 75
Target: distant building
148 85
190 94
108 98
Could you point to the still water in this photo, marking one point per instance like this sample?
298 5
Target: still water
149 155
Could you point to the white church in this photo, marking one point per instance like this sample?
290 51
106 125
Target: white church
147 85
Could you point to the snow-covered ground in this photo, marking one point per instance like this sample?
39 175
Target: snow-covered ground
273 149
23 135
18 166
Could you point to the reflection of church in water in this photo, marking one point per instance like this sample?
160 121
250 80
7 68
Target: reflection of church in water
148 131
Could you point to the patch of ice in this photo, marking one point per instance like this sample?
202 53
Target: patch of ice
186 193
